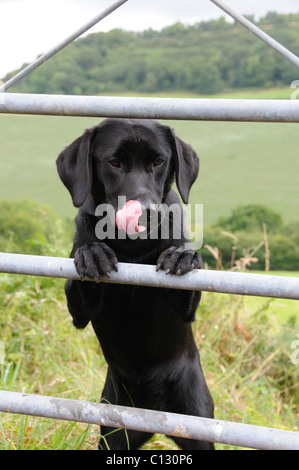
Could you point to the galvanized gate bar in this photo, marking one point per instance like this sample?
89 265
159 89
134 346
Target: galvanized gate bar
44 57
258 32
144 275
171 424
152 108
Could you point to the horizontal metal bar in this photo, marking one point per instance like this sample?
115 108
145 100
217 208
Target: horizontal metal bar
45 57
152 108
171 424
137 274
258 32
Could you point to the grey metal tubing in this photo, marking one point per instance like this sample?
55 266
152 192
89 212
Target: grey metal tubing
258 32
137 274
152 108
171 424
44 57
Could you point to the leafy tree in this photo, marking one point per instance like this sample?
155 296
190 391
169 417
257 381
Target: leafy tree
204 58
250 217
284 253
174 30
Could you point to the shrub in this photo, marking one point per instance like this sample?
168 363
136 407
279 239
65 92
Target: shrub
241 235
29 228
251 217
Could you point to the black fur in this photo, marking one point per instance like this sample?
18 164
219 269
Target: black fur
145 333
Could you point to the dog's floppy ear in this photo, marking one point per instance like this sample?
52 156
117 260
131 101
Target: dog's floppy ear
186 166
74 166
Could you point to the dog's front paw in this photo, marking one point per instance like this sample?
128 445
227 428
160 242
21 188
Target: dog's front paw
179 261
94 261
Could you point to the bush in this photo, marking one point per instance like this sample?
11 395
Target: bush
284 253
241 235
251 217
233 246
29 228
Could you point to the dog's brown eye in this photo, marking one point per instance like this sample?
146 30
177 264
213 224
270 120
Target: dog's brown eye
115 162
158 161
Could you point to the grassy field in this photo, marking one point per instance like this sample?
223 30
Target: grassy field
240 162
245 349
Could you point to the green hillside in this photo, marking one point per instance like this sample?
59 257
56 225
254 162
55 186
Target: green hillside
246 163
241 163
206 58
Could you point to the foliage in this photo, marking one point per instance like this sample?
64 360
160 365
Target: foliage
241 234
29 228
249 217
204 58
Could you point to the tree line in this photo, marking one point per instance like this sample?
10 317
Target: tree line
206 58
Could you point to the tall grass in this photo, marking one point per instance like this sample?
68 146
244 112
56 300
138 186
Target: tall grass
246 356
44 354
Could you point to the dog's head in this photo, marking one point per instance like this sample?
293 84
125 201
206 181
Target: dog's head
137 159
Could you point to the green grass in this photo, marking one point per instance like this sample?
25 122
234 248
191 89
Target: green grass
281 310
241 163
29 148
245 351
245 163
271 94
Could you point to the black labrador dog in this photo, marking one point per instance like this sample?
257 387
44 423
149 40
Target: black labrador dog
145 333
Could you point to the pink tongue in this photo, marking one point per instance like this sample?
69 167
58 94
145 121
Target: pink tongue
127 218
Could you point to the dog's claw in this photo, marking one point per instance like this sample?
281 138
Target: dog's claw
95 261
179 261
